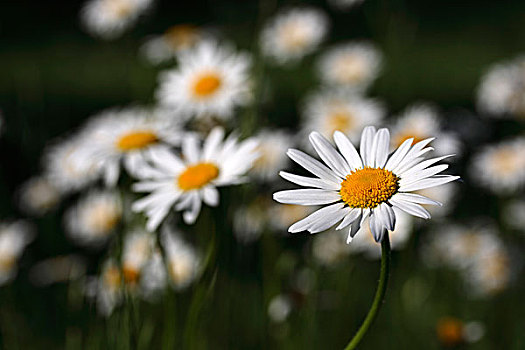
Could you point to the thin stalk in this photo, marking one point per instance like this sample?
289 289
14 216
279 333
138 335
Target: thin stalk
379 297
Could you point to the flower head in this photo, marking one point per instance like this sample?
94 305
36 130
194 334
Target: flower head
293 34
211 80
184 182
14 237
362 185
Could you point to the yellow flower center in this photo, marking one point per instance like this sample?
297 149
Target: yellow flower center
207 84
340 120
181 270
197 176
103 219
136 140
131 275
350 69
505 161
119 8
6 263
294 36
368 187
112 278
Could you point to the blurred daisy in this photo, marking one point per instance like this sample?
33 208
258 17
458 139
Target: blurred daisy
421 121
292 34
153 276
57 269
67 165
126 135
272 147
279 308
94 218
446 194
137 250
345 5
211 80
37 196
360 186
14 237
109 19
249 221
500 167
329 249
476 251
330 111
175 40
501 92
108 288
353 65
183 262
185 182
514 214
285 215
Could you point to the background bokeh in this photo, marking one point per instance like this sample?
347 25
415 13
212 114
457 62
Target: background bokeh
53 76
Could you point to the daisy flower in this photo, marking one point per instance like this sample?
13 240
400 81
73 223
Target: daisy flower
353 65
421 121
57 269
153 276
185 182
210 80
501 92
249 221
125 135
108 288
175 40
329 111
94 218
67 166
109 19
38 196
138 248
14 237
183 262
353 186
293 34
272 147
501 167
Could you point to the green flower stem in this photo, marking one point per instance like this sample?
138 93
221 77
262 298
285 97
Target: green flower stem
379 297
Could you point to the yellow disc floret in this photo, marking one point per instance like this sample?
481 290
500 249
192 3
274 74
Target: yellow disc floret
197 176
136 140
368 187
207 84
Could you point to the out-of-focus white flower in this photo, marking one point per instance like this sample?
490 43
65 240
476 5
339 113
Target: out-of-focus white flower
366 244
345 5
249 221
353 186
476 251
351 65
501 92
108 288
165 47
92 220
185 182
153 279
67 165
329 249
109 19
14 237
57 269
183 262
37 196
337 110
137 250
279 308
293 34
514 214
272 146
127 135
210 80
421 121
500 167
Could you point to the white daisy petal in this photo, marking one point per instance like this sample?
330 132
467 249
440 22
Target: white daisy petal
423 174
417 198
306 197
382 145
312 165
423 165
352 215
319 215
388 217
329 155
410 208
430 182
190 149
212 143
348 150
375 223
191 214
399 154
210 195
367 142
310 182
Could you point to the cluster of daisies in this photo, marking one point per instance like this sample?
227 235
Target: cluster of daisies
129 175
